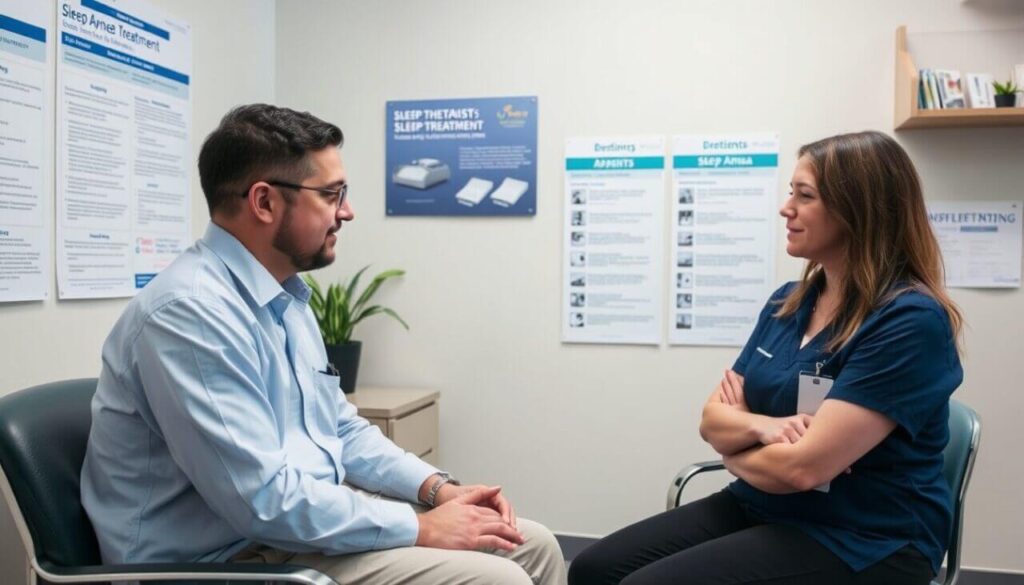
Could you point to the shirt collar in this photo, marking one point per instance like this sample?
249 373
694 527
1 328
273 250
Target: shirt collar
250 273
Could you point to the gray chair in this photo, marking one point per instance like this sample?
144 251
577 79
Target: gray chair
957 465
43 433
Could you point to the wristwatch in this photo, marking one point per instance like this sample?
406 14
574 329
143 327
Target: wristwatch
443 477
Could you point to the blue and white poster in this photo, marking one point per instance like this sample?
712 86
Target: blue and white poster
462 157
613 245
980 241
26 130
124 156
724 212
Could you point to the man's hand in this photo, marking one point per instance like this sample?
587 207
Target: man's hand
787 429
498 502
467 522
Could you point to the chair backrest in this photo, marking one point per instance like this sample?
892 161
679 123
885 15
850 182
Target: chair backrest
43 433
957 465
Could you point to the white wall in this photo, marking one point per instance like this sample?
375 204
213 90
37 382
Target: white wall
233 63
583 438
586 438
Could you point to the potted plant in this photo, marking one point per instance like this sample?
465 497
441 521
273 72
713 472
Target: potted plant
338 310
1006 93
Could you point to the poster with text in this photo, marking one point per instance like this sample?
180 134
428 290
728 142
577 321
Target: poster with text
124 157
724 201
26 46
613 245
980 241
462 157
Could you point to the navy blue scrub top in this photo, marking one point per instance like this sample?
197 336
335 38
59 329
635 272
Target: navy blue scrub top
903 363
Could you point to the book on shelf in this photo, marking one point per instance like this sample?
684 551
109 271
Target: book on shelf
933 91
979 90
933 82
950 92
928 90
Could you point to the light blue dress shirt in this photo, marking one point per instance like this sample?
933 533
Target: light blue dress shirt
214 426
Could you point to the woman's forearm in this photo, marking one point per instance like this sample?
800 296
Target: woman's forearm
728 429
780 468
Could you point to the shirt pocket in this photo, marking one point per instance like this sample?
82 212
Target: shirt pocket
327 402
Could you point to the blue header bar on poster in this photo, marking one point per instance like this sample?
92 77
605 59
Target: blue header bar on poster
123 58
22 28
615 163
725 161
126 18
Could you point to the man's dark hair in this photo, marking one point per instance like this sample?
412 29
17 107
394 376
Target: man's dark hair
259 142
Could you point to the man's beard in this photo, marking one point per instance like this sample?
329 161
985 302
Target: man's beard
284 242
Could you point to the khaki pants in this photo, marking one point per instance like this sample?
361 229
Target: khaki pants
536 562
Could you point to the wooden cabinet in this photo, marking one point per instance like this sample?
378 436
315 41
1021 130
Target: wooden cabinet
407 416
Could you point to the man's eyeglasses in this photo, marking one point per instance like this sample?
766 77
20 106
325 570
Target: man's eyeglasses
338 194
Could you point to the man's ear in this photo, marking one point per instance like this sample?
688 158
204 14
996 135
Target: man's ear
261 203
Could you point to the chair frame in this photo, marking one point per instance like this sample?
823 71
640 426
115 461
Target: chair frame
53 573
675 494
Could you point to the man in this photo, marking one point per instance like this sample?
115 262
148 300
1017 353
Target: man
218 432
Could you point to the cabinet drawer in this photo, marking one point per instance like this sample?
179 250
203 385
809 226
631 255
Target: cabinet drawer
417 432
430 457
380 423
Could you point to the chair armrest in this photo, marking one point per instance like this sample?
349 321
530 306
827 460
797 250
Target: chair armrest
192 571
675 489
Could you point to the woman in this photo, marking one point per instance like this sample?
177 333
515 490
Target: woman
854 492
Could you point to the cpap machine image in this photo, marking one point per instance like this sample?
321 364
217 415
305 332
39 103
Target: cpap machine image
474 191
506 195
509 192
422 173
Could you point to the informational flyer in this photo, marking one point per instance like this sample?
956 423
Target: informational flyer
123 157
980 241
614 248
26 46
462 157
724 203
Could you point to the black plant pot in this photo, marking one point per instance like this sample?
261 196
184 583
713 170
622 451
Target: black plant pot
1006 100
345 357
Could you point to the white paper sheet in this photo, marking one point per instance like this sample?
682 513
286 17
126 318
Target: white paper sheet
123 159
613 260
26 56
724 201
980 241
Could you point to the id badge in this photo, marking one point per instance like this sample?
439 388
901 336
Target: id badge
811 392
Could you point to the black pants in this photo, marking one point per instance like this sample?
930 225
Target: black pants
714 541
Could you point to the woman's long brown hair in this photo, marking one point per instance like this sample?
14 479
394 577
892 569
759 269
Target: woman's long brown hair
871 189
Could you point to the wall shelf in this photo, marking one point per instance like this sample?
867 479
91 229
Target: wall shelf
909 116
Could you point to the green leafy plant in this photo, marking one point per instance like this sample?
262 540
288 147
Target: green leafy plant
340 308
1007 88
